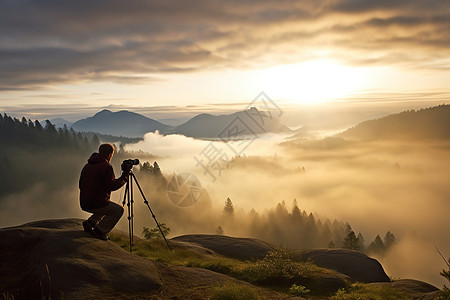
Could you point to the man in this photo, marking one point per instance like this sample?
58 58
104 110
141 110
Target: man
97 181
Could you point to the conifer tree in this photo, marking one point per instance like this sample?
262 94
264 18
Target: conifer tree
156 169
351 242
219 230
377 246
38 125
389 239
228 208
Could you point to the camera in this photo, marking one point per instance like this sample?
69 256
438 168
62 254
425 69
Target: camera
128 164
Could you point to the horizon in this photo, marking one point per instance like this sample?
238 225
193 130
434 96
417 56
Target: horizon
152 55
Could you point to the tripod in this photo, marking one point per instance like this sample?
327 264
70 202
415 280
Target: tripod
128 198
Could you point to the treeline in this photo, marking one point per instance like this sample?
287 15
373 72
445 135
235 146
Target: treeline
298 229
31 153
32 135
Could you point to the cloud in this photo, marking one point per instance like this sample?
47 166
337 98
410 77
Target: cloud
47 42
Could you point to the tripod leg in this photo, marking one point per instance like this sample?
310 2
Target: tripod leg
153 215
125 195
129 216
131 206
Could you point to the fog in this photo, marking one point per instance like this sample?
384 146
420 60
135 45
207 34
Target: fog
376 187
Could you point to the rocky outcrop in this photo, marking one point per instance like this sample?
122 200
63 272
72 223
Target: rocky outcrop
56 258
356 265
240 248
414 289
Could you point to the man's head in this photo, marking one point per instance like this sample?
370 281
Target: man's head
106 150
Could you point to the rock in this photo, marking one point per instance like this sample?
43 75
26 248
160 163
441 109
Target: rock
414 289
356 265
56 258
240 248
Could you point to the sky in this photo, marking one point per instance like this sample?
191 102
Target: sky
165 58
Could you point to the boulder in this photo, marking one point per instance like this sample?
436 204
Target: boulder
57 259
356 265
414 289
240 248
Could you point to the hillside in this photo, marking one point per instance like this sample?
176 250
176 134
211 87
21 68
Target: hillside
121 123
429 123
249 122
55 258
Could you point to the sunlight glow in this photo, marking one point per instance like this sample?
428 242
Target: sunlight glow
313 82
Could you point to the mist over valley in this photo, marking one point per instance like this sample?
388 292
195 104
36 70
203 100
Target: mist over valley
290 190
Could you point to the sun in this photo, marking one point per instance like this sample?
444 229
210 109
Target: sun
312 82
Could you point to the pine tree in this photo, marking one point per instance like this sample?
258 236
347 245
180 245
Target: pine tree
219 230
389 239
156 169
377 246
351 242
50 128
228 208
38 125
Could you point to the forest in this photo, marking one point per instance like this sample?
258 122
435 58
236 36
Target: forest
33 155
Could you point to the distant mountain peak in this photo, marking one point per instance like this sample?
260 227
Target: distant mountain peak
103 113
121 123
211 126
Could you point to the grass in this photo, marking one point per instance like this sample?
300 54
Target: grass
361 291
280 269
232 291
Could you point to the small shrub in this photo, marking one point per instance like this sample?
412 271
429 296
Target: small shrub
232 291
298 290
445 293
373 292
340 293
278 267
155 232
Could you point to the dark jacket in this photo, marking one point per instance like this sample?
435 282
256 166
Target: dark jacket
97 181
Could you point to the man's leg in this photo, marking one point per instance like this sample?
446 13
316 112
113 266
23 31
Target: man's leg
110 215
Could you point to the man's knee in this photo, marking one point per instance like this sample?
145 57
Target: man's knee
121 210
118 210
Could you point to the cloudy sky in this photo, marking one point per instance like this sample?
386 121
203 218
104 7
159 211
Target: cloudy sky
161 56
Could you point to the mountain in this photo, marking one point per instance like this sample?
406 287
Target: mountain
121 123
244 123
429 123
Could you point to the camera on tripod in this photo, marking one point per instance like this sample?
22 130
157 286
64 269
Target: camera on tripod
128 164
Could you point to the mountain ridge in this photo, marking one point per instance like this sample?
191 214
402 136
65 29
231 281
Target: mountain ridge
426 123
120 123
249 122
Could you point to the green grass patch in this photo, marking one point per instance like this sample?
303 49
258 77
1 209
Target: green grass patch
361 291
232 291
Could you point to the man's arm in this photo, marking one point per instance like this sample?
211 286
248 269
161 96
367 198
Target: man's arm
114 184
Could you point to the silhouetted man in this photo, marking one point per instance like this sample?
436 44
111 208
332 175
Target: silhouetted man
97 181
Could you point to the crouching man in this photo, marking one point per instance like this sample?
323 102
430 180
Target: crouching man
97 181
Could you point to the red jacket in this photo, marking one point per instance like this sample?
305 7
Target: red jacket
97 181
